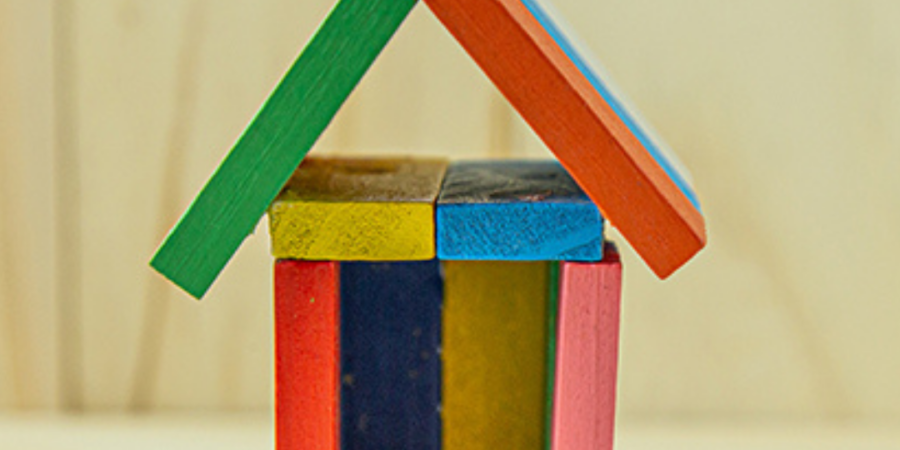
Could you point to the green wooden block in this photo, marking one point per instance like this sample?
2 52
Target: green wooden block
295 115
552 318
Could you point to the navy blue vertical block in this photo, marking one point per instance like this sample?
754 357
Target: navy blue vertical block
390 366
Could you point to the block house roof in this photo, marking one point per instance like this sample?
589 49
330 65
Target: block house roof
611 154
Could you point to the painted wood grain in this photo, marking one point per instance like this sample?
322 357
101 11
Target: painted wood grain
583 128
298 111
494 355
515 210
307 349
390 355
358 209
584 407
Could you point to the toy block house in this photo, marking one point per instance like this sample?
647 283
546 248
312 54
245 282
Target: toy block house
417 306
428 304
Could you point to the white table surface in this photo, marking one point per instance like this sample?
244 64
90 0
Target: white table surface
226 431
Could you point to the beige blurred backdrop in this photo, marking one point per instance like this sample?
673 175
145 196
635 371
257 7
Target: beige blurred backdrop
113 113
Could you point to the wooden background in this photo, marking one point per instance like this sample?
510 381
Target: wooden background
114 112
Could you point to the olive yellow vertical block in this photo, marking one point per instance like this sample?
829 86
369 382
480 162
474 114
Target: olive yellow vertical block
495 355
357 209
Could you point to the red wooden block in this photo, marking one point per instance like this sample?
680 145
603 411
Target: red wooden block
584 405
577 124
307 355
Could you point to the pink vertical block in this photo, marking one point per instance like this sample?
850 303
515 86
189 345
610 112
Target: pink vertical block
584 406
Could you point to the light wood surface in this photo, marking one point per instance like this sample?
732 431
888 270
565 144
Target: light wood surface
30 349
782 109
253 431
138 334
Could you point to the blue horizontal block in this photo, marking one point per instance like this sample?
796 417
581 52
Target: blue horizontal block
516 211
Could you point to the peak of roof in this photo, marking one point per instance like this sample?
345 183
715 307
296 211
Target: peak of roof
604 145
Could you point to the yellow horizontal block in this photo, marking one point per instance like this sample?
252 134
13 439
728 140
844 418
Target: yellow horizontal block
494 355
354 209
353 231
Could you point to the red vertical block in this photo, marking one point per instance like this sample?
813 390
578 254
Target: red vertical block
307 355
587 354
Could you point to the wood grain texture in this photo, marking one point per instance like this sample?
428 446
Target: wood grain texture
290 122
424 97
494 355
307 355
584 407
583 129
33 342
358 210
218 356
516 210
772 264
390 355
